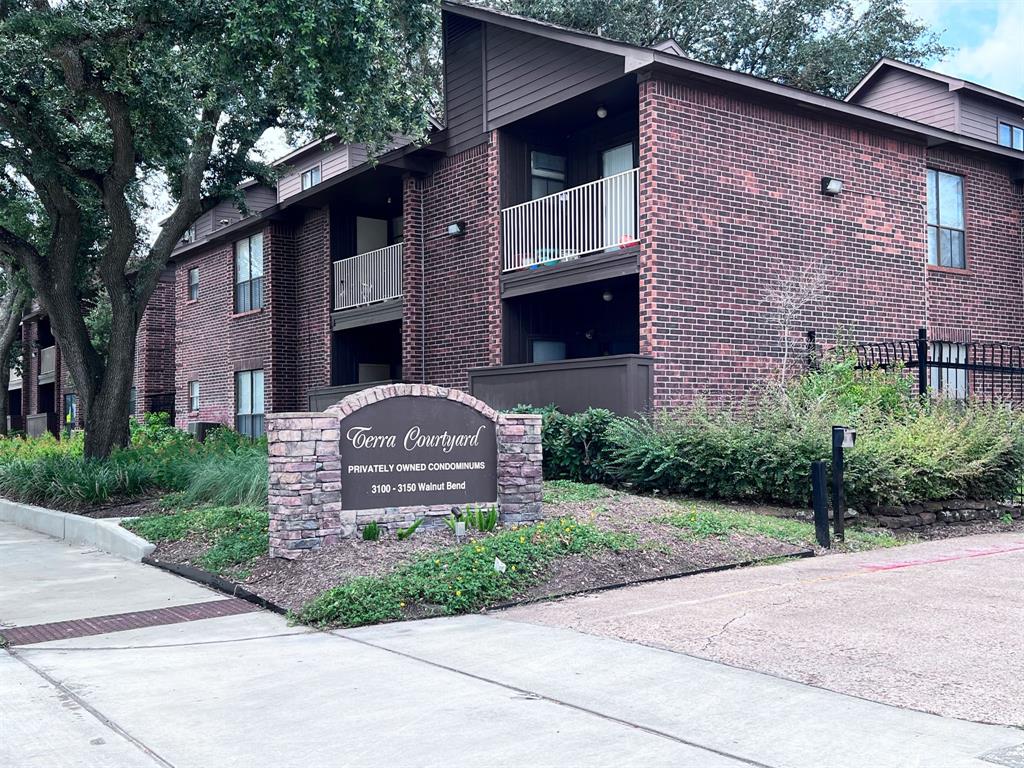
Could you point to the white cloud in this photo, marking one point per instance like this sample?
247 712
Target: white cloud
987 35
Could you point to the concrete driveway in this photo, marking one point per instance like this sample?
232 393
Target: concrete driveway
934 626
248 690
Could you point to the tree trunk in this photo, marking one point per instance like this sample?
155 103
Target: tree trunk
11 307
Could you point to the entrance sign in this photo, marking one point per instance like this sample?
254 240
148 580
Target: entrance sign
392 455
417 451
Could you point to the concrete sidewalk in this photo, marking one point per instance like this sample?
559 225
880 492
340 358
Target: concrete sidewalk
249 690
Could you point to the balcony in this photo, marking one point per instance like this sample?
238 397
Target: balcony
369 278
47 364
597 217
620 383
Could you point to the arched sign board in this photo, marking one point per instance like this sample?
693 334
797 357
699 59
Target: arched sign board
412 451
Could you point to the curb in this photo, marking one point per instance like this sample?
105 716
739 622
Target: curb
799 555
214 581
104 534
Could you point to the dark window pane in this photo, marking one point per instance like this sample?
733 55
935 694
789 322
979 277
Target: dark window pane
957 249
257 293
945 248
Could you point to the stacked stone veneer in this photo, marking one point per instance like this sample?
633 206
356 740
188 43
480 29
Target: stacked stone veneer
305 471
938 513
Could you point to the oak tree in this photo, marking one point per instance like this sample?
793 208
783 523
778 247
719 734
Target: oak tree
99 99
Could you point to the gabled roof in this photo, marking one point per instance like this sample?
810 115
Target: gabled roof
638 59
953 83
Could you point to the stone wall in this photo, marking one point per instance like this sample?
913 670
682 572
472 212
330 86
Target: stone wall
937 513
306 473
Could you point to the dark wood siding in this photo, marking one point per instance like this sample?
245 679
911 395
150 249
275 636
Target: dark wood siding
980 117
526 73
912 96
463 78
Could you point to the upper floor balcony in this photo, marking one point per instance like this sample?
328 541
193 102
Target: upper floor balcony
47 363
368 278
596 217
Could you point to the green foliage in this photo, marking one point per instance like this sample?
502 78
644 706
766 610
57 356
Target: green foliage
574 445
226 470
818 45
562 491
701 520
484 519
371 531
405 533
906 451
239 534
460 579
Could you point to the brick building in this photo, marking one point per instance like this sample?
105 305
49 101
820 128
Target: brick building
600 224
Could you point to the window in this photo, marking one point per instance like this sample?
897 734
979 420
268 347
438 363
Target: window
249 273
190 235
545 351
70 413
944 375
1011 136
311 177
193 284
193 396
547 174
946 220
249 403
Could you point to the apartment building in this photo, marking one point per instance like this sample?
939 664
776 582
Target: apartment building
599 224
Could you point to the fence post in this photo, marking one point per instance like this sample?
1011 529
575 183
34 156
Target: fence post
922 361
812 350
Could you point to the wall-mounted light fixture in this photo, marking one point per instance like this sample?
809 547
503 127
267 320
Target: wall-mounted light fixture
607 296
602 112
457 228
831 186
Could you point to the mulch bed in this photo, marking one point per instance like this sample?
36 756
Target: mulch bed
292 583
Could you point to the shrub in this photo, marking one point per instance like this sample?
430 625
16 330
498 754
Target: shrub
575 446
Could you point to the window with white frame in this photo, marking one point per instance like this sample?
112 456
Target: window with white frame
193 396
249 273
947 374
946 246
311 177
547 173
249 403
193 284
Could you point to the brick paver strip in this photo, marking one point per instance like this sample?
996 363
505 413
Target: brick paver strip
119 622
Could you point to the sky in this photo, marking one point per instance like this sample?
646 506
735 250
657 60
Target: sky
988 36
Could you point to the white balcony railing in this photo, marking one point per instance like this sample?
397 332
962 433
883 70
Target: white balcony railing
368 278
587 219
47 359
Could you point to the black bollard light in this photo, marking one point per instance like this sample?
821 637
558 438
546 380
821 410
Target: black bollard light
842 438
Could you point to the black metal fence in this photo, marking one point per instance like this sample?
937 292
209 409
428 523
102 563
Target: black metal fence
963 370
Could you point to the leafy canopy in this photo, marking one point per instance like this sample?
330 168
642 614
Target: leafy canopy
824 46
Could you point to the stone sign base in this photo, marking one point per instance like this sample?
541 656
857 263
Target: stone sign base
306 476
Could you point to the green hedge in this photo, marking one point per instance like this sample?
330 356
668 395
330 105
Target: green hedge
907 450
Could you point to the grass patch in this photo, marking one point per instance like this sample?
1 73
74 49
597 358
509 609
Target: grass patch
461 579
701 520
561 491
238 534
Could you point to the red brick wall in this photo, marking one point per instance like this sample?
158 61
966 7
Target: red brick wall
413 299
312 307
213 342
730 203
154 351
461 314
985 302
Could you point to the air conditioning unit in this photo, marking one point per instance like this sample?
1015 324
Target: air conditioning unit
200 429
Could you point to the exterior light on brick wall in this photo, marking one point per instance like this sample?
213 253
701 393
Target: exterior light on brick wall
830 186
457 229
